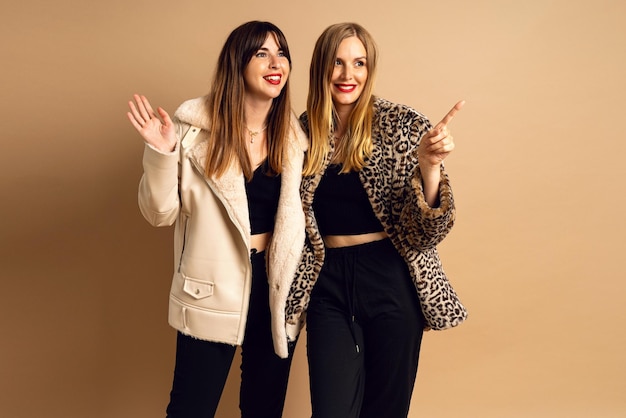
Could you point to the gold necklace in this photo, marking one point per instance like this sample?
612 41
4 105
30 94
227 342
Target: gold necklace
253 134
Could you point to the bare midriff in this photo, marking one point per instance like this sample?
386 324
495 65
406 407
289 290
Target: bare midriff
336 241
259 242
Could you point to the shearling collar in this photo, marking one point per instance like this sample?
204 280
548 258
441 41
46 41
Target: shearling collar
193 112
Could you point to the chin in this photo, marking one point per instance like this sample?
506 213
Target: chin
346 101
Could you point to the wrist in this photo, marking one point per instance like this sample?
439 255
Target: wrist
427 168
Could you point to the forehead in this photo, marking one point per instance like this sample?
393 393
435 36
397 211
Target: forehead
271 41
352 47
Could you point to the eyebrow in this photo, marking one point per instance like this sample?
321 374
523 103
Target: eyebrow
355 59
268 50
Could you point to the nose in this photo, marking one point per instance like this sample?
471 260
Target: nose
274 61
346 73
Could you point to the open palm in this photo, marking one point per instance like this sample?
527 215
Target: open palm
156 129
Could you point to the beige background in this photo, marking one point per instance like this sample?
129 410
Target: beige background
536 254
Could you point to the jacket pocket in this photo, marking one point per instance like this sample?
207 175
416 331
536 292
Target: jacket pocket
198 289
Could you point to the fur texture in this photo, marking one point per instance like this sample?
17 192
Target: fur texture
392 181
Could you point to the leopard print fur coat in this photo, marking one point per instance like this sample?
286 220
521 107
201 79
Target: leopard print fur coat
392 181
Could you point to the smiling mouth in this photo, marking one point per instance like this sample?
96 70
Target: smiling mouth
273 79
346 88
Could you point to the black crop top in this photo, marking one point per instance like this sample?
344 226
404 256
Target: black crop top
341 205
263 192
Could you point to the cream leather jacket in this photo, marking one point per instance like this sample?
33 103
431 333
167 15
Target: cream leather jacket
212 272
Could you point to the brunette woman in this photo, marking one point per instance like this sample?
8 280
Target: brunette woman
225 170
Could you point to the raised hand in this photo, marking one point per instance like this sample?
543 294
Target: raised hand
434 147
156 130
437 143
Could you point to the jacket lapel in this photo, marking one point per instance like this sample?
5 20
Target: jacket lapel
229 188
375 172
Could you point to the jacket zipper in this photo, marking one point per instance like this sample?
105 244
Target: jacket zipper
184 243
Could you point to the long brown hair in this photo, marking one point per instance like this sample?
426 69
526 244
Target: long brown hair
225 103
356 146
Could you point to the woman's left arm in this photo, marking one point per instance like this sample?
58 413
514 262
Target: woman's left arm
434 147
428 212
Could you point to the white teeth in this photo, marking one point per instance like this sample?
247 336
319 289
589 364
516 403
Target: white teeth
273 78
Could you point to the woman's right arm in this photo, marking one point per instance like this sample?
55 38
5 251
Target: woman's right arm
158 188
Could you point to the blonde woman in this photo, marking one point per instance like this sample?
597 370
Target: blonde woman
377 202
226 171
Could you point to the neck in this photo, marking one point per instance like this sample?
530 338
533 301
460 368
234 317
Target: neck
340 130
344 110
343 116
256 112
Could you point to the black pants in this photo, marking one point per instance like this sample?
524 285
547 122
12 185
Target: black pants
202 367
364 331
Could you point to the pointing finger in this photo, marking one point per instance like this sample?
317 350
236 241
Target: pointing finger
447 118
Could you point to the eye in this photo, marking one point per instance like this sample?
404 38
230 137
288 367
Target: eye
261 54
337 62
359 64
281 53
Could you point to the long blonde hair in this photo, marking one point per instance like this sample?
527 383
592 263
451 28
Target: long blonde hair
356 146
225 103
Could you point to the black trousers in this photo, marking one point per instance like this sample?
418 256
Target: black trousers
202 367
364 331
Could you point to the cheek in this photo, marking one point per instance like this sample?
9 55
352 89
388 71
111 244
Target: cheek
363 77
247 75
